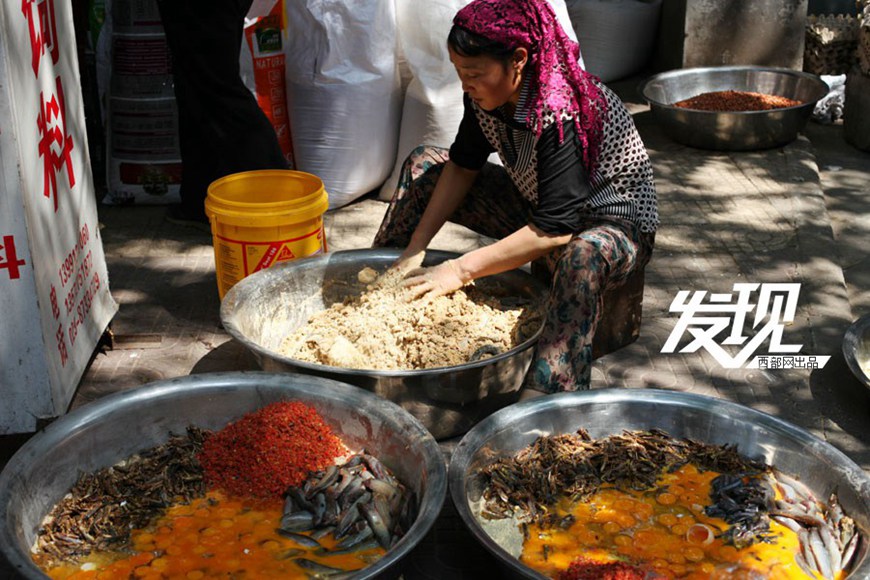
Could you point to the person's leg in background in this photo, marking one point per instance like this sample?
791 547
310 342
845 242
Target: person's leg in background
221 127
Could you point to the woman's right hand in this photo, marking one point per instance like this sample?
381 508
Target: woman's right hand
409 260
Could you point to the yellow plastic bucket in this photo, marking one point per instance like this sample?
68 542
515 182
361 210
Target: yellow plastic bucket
261 218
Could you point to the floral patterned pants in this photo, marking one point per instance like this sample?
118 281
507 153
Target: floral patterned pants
600 256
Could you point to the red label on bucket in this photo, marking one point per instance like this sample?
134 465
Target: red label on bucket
269 257
285 255
237 259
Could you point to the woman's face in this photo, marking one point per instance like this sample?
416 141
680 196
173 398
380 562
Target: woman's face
489 82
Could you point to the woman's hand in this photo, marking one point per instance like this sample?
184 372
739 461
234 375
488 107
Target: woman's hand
409 261
436 281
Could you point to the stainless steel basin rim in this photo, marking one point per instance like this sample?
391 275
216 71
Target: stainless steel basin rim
732 130
263 308
787 447
101 433
856 349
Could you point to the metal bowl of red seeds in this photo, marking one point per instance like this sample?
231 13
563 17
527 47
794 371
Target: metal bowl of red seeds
385 450
733 108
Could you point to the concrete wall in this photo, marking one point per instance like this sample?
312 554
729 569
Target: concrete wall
722 32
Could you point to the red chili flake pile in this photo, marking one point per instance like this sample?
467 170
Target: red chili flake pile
269 450
734 101
585 569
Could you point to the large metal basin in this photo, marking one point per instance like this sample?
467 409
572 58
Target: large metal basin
732 131
792 450
104 432
261 310
856 349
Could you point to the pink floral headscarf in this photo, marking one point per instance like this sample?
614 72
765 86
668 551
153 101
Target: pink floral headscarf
560 86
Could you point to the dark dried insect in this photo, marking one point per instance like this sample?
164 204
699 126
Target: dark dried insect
102 507
576 466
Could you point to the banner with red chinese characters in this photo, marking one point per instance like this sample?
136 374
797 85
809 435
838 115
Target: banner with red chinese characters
54 294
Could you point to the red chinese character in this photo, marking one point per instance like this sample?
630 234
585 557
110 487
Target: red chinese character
52 296
61 345
43 30
52 129
10 261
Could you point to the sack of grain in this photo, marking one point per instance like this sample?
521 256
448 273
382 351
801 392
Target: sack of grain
344 92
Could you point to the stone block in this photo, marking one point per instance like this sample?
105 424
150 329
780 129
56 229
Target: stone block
856 113
696 33
620 321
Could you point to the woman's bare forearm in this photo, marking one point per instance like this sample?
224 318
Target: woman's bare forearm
451 189
522 246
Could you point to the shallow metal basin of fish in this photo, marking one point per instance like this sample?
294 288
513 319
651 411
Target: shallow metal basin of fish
106 431
788 448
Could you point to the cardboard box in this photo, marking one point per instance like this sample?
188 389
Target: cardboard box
54 286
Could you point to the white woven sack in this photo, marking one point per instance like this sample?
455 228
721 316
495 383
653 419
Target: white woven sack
617 36
433 101
344 92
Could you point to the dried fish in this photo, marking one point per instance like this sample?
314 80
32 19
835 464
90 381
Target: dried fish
831 547
300 500
350 516
376 523
377 468
381 487
318 568
823 560
322 532
319 503
102 507
835 512
575 465
328 477
849 552
786 491
787 522
331 512
806 551
802 491
301 539
290 553
360 532
367 545
804 519
804 566
358 500
300 521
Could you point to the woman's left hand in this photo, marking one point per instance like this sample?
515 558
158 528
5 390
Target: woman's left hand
435 281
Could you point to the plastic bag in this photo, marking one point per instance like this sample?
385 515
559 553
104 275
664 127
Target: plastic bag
262 67
344 92
829 108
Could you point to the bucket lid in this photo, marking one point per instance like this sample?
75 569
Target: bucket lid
249 197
